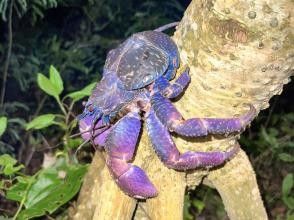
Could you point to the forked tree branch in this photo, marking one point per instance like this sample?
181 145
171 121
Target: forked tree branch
239 52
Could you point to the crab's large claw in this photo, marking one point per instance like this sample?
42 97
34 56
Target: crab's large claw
172 158
120 146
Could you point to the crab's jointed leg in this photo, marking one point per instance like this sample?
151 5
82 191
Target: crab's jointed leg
175 89
172 158
120 146
194 127
172 90
97 134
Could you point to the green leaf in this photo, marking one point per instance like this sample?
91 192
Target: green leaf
74 142
5 218
286 157
41 121
47 86
289 201
3 125
200 205
53 188
9 169
287 184
187 205
17 191
76 96
6 159
56 79
8 164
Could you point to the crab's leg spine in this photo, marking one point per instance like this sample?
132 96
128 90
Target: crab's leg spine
120 147
169 116
172 158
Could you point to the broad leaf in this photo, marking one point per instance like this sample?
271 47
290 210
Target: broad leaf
286 157
3 125
41 121
56 79
287 184
47 86
17 191
54 187
76 96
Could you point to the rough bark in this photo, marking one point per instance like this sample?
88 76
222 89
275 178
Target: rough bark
239 52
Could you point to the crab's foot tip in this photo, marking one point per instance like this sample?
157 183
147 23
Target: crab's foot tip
232 152
249 116
135 183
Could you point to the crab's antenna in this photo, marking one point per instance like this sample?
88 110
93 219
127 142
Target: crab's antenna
83 132
167 26
79 148
78 134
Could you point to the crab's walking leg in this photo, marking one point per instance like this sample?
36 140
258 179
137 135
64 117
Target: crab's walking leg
169 116
171 157
172 90
120 146
97 135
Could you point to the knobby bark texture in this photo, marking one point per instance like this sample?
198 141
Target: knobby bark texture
239 52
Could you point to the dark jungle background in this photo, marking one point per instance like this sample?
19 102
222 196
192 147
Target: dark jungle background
73 36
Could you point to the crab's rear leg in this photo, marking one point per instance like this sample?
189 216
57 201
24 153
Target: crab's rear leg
120 146
173 90
194 127
171 157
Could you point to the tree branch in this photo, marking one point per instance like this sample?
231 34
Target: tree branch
238 52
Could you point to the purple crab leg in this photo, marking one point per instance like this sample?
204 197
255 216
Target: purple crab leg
176 88
120 147
172 158
172 90
194 127
98 135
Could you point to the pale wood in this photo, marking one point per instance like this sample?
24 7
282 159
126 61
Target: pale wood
234 59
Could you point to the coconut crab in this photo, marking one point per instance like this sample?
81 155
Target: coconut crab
136 86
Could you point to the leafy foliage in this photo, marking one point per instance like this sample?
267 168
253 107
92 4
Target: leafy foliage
50 189
42 121
36 7
7 165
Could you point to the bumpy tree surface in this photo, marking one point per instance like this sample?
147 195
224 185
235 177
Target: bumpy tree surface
238 52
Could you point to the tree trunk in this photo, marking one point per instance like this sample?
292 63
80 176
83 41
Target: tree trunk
239 52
